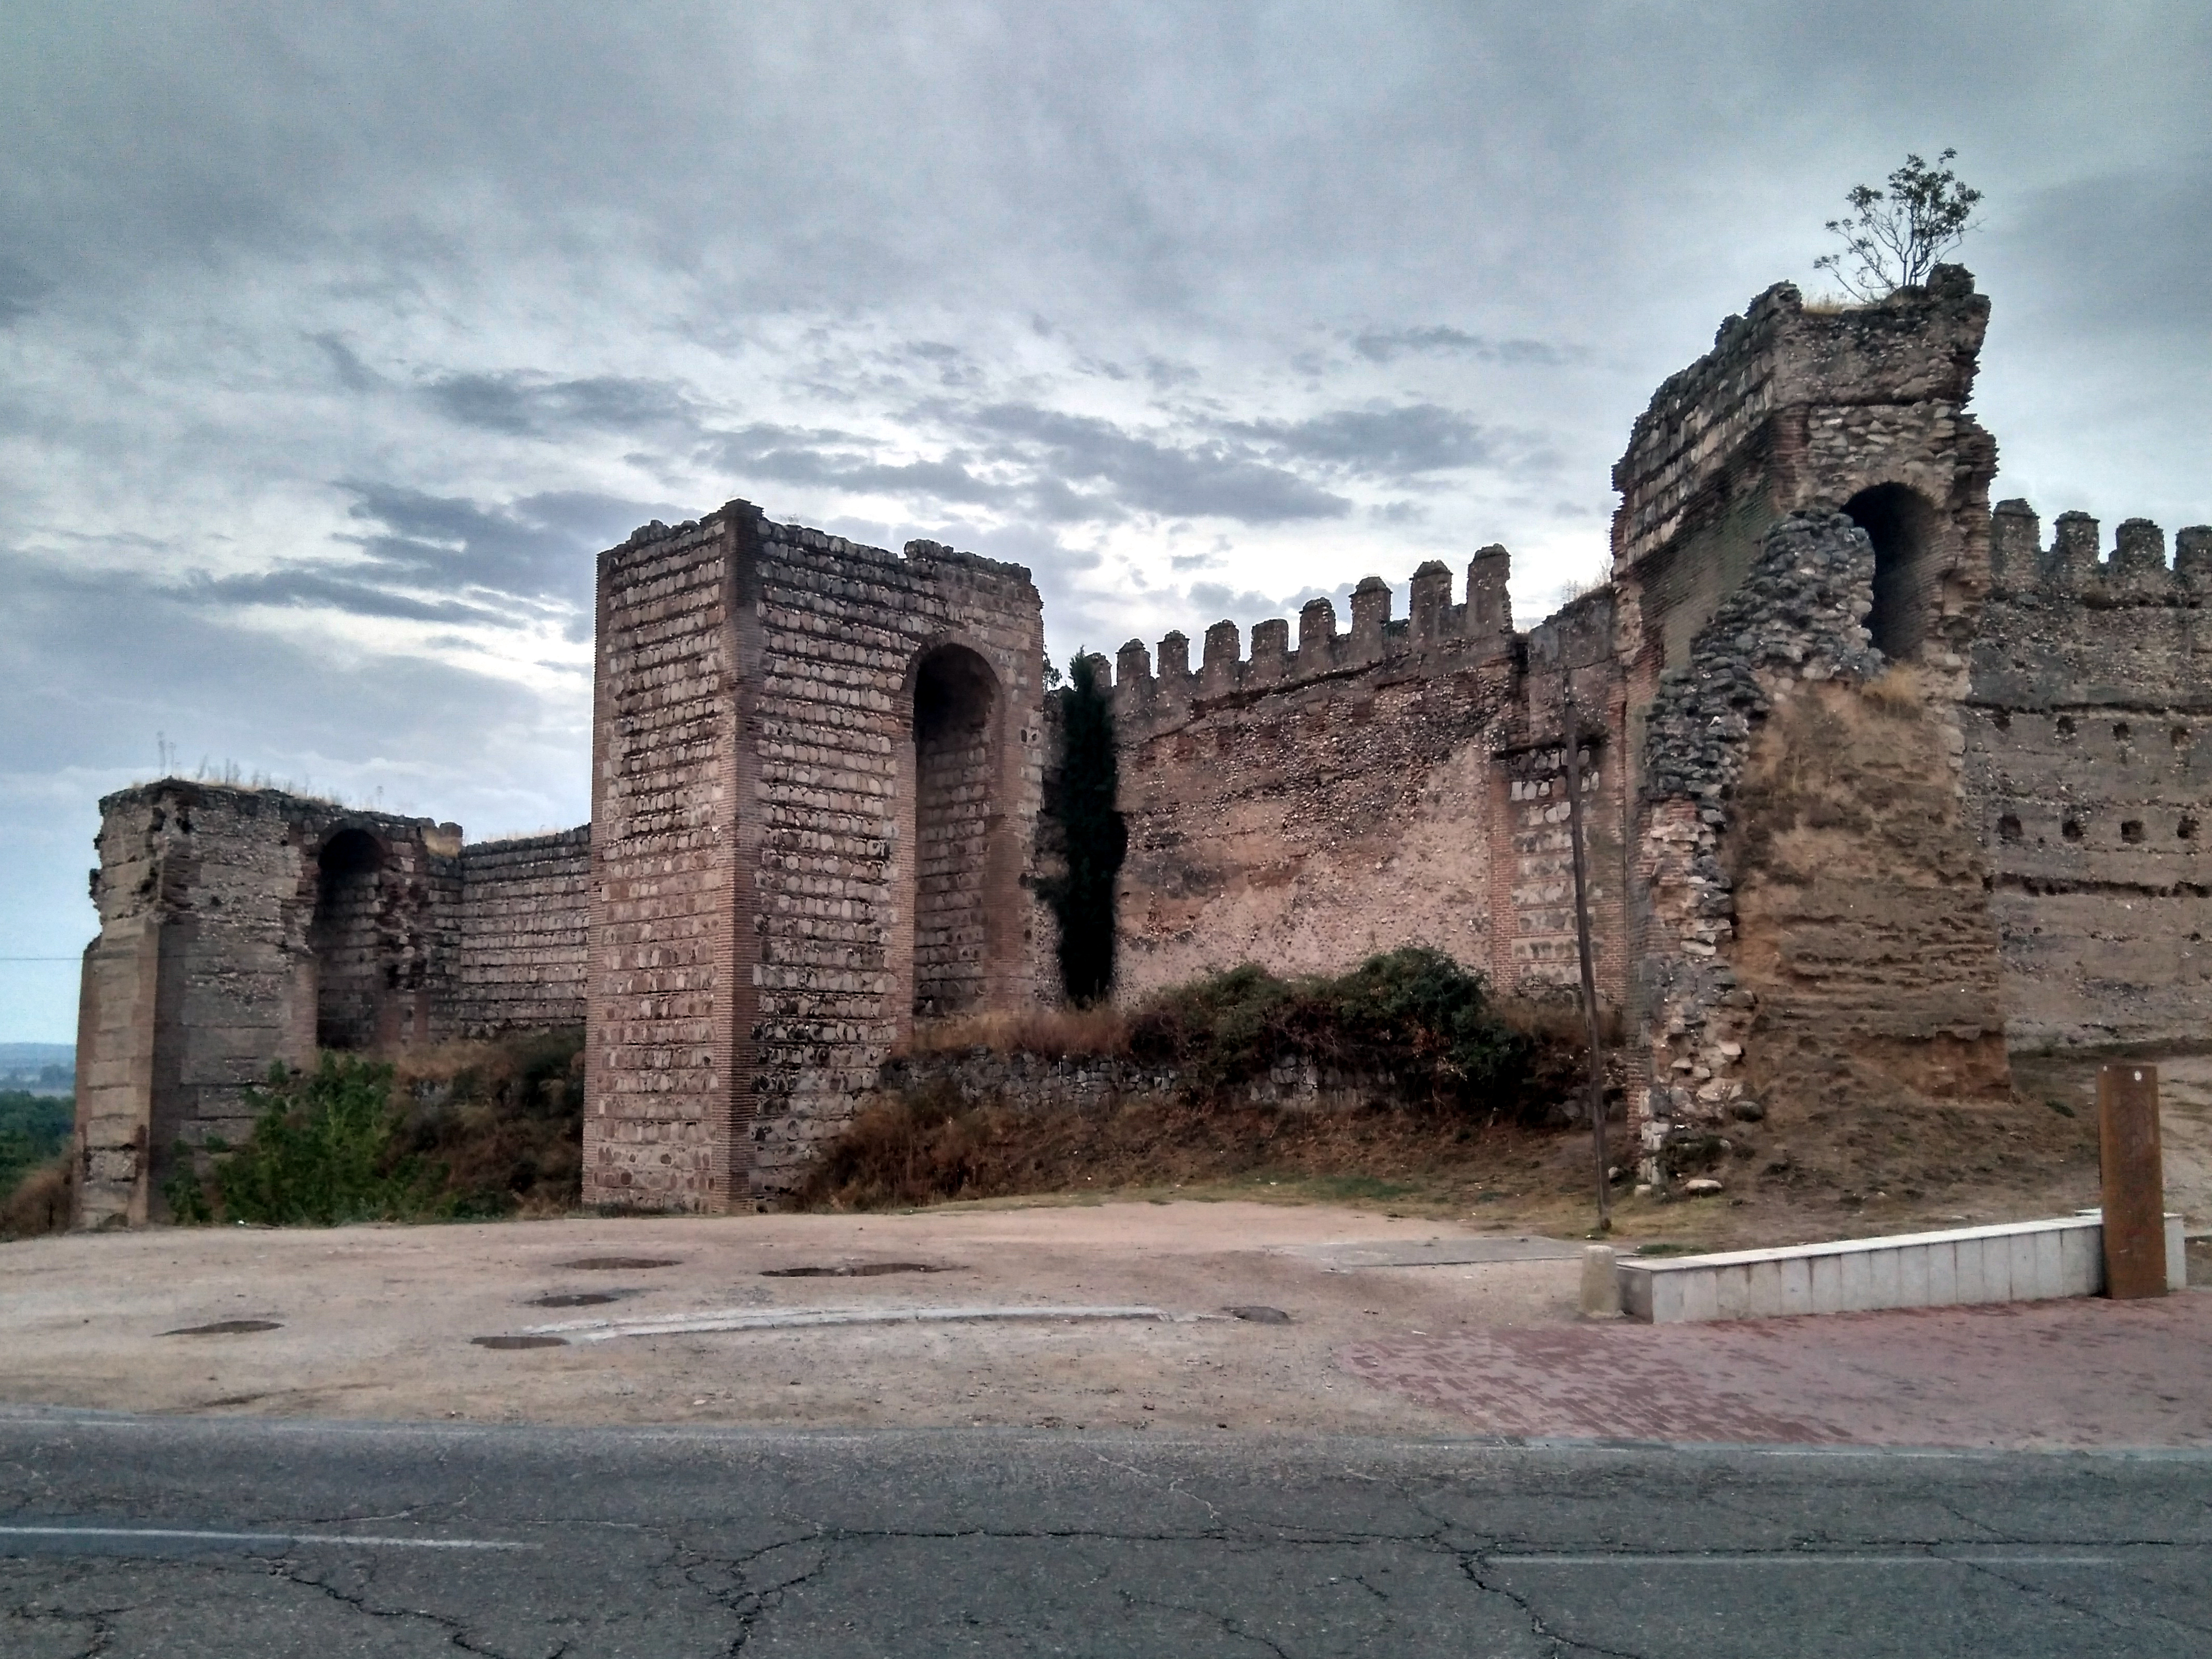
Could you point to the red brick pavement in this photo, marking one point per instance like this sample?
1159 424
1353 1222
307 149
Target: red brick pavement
2045 1374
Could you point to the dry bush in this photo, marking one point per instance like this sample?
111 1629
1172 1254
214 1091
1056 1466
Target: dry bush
928 1146
1897 694
503 1119
1053 1033
41 1200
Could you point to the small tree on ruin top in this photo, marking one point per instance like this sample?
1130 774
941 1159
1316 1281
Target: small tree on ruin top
1894 240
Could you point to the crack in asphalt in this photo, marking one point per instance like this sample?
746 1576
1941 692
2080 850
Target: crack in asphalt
1995 1569
1537 1626
284 1568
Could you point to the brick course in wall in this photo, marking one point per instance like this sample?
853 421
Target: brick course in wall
782 874
525 904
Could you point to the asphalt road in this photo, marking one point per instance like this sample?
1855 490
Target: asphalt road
126 1536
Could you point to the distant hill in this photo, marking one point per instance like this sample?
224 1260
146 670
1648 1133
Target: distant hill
38 1068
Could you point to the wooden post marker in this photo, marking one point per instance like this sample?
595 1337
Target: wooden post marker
2134 1180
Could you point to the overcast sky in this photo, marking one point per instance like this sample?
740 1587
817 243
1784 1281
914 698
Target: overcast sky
336 339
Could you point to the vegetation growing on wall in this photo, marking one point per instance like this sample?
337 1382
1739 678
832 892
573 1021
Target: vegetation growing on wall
1451 1066
1092 835
1414 1015
468 1130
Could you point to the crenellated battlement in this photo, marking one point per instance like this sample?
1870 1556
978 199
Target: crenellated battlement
2135 571
1437 636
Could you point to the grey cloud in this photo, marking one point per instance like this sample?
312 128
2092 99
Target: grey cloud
1211 479
353 374
442 558
538 406
842 460
1221 601
98 654
1387 345
1393 441
20 289
316 588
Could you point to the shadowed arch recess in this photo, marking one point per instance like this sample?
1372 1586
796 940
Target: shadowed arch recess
957 707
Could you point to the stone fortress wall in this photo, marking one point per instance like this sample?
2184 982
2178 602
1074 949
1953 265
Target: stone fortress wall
817 773
1403 783
2088 735
239 926
1873 779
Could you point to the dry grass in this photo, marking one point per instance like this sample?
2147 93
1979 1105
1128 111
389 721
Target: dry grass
1055 1033
1898 693
929 1147
41 1200
503 1119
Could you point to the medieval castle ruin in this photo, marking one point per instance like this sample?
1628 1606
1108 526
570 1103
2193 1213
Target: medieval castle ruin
1878 778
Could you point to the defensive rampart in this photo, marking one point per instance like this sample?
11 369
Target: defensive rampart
524 905
1394 785
2089 734
1870 779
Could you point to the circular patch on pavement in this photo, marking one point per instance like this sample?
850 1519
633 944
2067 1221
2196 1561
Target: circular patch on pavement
1256 1314
227 1327
577 1298
520 1341
853 1270
619 1264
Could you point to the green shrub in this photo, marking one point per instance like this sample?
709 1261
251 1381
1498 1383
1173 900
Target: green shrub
34 1129
324 1150
1413 1014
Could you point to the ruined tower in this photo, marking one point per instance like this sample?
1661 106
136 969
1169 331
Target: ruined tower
815 772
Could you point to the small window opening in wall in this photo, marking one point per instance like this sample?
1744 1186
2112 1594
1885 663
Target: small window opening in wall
2131 831
2179 736
2065 725
2001 720
2008 828
2123 731
2071 829
1901 524
2186 830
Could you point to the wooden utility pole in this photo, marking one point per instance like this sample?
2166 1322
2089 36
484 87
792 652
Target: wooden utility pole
1572 725
2134 1181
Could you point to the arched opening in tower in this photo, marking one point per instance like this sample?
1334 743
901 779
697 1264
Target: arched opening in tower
955 713
1907 568
345 937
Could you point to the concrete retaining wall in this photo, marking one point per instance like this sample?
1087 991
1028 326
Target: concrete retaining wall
2015 1262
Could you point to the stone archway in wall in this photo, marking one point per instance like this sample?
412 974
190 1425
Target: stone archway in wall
345 937
952 863
1908 565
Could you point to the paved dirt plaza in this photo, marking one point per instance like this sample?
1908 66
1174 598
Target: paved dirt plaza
1132 1316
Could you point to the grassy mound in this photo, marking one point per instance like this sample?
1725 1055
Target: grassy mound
1457 1065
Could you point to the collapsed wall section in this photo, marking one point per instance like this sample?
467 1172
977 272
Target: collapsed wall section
2088 735
1860 409
1803 506
525 912
239 926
